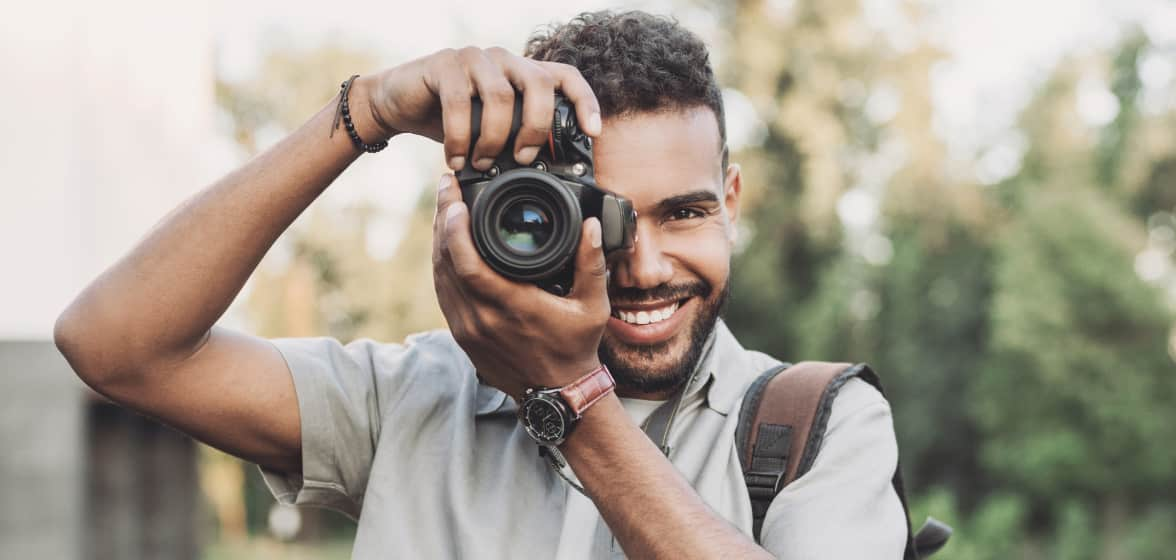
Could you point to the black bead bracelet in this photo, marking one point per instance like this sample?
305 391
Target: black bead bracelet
342 112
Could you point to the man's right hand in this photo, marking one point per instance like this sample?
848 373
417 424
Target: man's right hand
430 96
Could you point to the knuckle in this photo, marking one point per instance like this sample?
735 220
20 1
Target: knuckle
499 93
456 94
598 269
487 320
498 52
471 330
466 272
469 53
544 81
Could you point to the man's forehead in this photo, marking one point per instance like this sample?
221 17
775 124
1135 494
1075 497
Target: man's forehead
647 157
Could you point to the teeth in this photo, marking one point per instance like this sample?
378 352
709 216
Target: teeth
646 317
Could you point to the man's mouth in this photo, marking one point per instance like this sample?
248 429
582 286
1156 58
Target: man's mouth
646 315
648 323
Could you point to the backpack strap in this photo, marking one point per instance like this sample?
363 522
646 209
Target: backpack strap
782 425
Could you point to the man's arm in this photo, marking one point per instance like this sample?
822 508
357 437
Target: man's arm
142 333
652 511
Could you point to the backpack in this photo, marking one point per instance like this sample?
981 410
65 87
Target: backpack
781 426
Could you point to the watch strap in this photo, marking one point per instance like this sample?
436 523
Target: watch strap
585 391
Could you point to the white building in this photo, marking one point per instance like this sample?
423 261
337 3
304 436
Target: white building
108 112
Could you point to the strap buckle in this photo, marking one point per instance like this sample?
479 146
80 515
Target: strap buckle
763 485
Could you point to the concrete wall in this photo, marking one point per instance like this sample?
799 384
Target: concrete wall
83 478
42 462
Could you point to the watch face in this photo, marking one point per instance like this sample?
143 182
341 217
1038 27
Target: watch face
543 420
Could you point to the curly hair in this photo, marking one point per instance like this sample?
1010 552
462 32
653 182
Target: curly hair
635 62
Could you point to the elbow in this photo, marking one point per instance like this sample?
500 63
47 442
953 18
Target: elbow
69 337
80 341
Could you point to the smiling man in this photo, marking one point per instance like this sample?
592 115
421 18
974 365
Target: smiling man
423 442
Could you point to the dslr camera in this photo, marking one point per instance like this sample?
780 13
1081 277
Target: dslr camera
526 220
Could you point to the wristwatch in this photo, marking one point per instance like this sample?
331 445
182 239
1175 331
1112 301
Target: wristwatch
549 415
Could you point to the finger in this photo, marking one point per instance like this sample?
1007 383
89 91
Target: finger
457 251
497 97
455 91
538 88
447 193
569 81
590 284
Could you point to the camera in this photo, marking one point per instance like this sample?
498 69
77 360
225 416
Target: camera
526 219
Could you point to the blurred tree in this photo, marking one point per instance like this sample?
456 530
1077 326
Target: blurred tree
1025 354
861 248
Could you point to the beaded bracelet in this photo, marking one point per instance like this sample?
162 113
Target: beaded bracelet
344 113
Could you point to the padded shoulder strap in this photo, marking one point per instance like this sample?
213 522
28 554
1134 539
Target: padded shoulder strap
776 421
779 415
782 425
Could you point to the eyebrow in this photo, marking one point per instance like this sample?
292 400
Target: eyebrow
695 197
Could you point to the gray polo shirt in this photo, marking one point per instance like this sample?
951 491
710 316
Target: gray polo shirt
432 464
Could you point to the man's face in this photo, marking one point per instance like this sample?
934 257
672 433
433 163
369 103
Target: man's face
668 291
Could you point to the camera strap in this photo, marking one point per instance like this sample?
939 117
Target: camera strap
658 425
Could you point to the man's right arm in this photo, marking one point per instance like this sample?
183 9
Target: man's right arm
143 334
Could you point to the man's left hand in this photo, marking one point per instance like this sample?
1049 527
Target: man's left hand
517 335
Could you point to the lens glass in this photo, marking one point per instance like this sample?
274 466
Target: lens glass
525 227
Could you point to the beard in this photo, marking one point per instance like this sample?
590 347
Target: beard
635 368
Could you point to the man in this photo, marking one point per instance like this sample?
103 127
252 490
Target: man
421 441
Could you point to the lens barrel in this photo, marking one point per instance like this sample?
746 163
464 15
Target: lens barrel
526 224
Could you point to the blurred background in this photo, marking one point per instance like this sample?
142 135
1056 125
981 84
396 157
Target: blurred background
978 198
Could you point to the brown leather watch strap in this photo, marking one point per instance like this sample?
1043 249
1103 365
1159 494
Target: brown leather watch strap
585 391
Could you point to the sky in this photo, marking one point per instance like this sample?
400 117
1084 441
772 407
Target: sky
999 50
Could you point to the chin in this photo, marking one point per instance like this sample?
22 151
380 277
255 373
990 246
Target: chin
658 368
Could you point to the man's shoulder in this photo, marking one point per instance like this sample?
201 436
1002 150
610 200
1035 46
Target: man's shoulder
741 367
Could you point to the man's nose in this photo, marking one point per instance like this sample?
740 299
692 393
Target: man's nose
644 266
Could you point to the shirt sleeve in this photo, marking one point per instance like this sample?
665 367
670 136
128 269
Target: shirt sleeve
845 506
340 390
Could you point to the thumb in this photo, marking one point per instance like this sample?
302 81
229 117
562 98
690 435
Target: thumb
590 286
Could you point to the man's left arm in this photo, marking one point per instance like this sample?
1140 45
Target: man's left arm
652 511
844 507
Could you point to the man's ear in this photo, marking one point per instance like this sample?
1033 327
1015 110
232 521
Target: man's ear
732 189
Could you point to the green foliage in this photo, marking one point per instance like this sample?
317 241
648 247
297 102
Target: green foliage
1026 359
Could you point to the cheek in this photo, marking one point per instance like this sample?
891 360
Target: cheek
704 253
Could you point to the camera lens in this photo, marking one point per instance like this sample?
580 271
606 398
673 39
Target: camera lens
525 226
525 223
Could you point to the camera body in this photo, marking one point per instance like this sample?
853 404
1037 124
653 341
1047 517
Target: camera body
526 220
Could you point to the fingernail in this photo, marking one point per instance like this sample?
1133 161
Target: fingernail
527 154
445 180
456 163
484 163
595 236
452 212
594 124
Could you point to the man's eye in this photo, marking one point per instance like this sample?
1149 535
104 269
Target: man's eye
686 214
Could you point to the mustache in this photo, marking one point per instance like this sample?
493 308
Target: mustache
664 292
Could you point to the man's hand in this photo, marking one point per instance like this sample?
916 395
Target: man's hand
430 96
516 334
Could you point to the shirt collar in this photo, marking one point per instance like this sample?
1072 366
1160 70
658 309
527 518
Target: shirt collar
723 371
721 377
